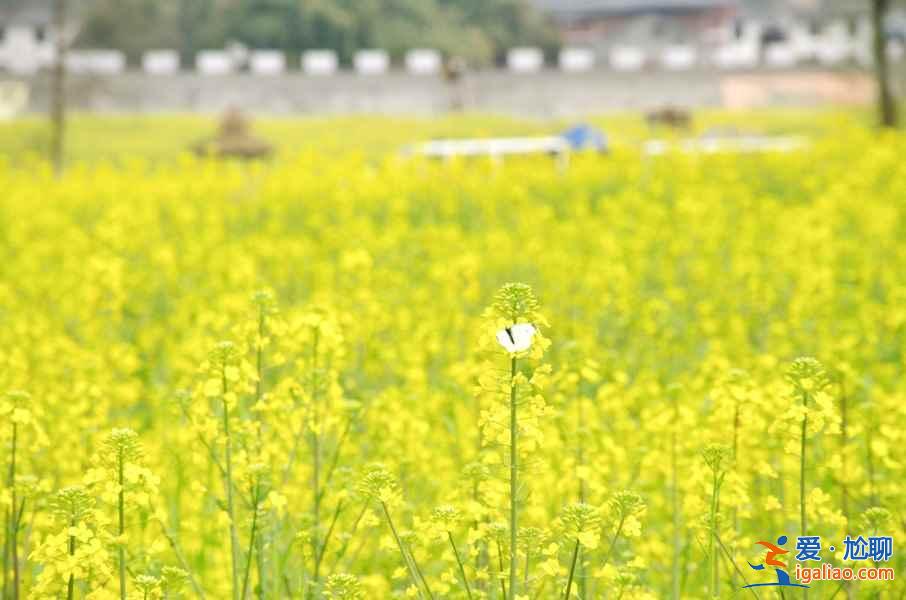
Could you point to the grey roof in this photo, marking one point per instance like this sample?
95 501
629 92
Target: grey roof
749 8
568 8
26 12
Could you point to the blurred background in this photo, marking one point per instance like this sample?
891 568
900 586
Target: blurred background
548 59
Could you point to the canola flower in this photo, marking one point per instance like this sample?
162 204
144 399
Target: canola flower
390 418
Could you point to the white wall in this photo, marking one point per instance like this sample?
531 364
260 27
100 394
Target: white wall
371 62
679 57
160 62
319 62
576 59
525 60
214 62
96 62
22 53
737 55
626 58
423 61
267 62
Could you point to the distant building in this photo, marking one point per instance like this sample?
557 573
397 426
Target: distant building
732 33
26 35
603 24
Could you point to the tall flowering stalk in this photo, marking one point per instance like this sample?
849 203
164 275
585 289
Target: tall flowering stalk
257 487
625 509
675 501
716 457
122 447
223 370
259 333
13 407
126 483
581 524
445 519
343 586
319 344
807 377
379 486
513 320
72 507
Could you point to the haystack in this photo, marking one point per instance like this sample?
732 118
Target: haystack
234 139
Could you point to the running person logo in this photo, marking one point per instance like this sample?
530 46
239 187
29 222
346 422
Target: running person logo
770 560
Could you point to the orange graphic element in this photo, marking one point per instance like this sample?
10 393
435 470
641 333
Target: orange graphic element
772 552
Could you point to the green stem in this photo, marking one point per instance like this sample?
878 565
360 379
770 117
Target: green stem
121 551
572 569
228 484
252 540
837 591
613 542
335 460
343 549
711 554
316 460
733 562
675 500
327 536
462 569
802 463
14 519
402 550
500 567
183 562
72 541
736 424
580 461
421 575
6 535
844 488
514 454
259 391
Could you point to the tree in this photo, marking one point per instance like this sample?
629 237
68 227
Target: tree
478 30
58 99
886 104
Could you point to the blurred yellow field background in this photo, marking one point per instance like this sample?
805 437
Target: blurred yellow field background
351 438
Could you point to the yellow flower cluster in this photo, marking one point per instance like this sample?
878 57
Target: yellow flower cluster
311 378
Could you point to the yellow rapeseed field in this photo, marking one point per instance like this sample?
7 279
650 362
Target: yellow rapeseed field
355 375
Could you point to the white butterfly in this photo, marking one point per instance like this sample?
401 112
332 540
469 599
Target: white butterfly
517 338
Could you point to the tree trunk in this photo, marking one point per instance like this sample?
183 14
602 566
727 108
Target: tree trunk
58 99
886 106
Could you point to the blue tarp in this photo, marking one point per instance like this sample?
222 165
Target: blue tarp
585 137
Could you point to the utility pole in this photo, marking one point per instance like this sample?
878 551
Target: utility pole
58 89
886 105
